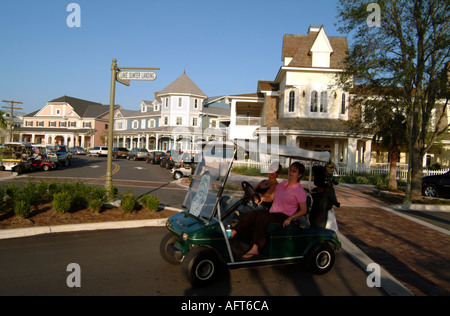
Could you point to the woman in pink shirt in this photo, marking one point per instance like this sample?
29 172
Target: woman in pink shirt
289 203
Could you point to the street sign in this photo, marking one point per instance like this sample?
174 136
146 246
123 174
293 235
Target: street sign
136 75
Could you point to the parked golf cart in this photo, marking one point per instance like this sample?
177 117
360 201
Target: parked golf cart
17 157
198 240
186 167
43 164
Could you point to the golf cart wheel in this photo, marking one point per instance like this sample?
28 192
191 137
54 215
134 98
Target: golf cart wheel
320 259
430 190
177 175
167 241
46 167
200 266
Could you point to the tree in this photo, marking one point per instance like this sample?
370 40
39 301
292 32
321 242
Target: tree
406 55
3 123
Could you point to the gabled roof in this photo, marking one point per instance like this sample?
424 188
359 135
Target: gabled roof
84 108
183 85
298 47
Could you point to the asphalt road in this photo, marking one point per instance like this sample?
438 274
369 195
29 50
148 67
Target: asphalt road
127 262
141 178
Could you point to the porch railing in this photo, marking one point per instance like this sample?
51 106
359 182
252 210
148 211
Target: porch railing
342 170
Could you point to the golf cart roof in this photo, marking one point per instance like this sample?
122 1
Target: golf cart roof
17 144
273 149
284 151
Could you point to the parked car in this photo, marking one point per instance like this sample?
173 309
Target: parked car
98 151
171 157
434 186
120 152
137 153
77 150
154 157
63 154
44 165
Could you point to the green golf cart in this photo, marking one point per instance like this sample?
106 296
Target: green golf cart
198 240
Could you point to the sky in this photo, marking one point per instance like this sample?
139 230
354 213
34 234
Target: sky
225 47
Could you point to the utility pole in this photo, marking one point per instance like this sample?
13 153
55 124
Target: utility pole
11 118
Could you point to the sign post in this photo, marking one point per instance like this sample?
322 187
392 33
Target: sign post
122 75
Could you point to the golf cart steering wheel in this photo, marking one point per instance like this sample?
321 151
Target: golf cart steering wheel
250 192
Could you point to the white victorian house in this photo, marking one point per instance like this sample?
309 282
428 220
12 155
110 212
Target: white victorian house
304 107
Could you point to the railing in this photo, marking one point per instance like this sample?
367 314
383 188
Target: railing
248 121
342 170
382 168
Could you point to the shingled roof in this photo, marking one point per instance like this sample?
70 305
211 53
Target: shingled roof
298 47
84 108
183 85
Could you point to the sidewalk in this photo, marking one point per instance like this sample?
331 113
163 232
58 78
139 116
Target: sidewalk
415 253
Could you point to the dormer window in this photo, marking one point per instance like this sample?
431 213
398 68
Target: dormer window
321 50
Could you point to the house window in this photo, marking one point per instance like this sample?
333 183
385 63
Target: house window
58 112
166 101
194 121
179 120
29 123
343 104
213 123
166 120
72 124
180 102
323 102
196 104
52 124
314 101
87 124
151 123
291 101
135 124
62 124
40 123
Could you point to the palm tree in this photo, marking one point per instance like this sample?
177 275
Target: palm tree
3 123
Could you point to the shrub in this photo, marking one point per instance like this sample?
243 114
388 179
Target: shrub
95 205
128 203
53 188
62 202
29 193
22 208
97 198
151 202
42 190
2 200
12 190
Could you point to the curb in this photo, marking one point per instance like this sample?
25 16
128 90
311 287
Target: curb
390 284
33 231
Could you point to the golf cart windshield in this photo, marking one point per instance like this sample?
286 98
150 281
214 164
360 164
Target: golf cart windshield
215 164
209 178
